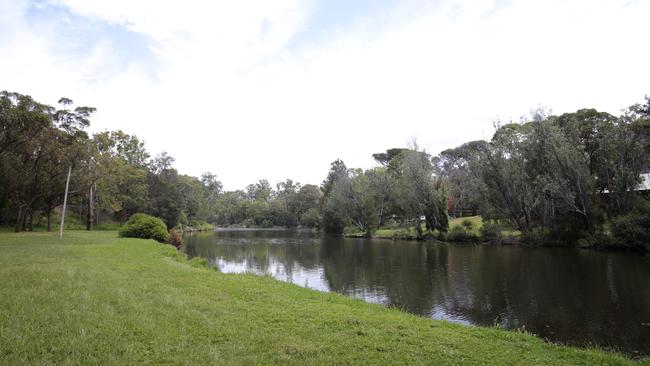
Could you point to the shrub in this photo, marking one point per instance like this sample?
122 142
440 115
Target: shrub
568 230
536 237
632 230
311 218
461 235
441 235
145 227
467 224
175 239
490 231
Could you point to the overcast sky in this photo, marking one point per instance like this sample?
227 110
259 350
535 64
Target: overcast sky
277 89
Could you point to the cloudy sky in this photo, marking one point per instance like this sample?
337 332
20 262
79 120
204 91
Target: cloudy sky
278 89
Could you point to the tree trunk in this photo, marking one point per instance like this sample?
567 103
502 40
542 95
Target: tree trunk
18 218
89 214
49 220
24 219
30 222
418 227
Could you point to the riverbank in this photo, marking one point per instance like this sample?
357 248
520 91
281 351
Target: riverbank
472 229
471 226
94 298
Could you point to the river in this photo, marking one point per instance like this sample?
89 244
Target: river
572 296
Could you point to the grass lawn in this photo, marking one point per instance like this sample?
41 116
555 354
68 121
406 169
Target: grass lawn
477 222
94 298
409 232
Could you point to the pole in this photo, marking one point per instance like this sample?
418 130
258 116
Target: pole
65 201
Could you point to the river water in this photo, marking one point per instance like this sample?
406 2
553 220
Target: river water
566 295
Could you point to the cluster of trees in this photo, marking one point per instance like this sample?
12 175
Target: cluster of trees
113 176
403 190
558 178
290 205
555 178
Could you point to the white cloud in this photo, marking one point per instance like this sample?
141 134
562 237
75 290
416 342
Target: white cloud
232 94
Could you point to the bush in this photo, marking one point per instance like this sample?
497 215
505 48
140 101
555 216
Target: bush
145 227
311 218
632 230
175 239
598 239
441 235
198 225
490 231
461 235
467 224
536 237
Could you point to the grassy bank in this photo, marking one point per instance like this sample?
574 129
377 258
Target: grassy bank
408 233
94 298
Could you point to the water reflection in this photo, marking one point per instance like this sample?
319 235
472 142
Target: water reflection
566 295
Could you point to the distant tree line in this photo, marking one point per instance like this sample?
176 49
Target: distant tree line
554 179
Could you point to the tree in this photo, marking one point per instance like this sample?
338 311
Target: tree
307 198
212 188
418 193
35 160
287 207
120 145
311 218
563 179
165 191
21 120
390 154
122 168
382 187
352 199
461 186
332 221
507 189
260 191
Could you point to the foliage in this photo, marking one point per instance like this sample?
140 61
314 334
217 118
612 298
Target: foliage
461 234
175 239
561 176
536 237
548 176
633 229
490 231
352 199
418 194
145 227
333 221
467 224
311 218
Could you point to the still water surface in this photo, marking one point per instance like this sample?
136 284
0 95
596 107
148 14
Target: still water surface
566 295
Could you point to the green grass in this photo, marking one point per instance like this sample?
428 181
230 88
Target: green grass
409 232
400 233
477 223
94 298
